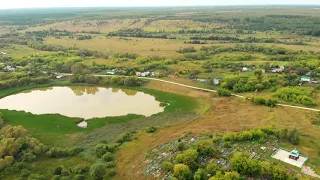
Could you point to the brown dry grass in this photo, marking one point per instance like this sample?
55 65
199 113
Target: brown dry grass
225 115
141 46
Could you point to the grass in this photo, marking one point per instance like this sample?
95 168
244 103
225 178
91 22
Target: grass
224 115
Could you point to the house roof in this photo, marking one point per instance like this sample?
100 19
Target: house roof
305 77
295 153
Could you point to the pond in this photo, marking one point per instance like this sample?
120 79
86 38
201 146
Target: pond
83 102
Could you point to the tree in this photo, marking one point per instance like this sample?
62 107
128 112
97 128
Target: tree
200 175
224 92
204 147
108 156
91 79
182 172
97 171
258 74
212 168
79 69
241 163
9 146
167 166
132 81
188 157
231 176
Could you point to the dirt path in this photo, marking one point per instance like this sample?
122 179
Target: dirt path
204 89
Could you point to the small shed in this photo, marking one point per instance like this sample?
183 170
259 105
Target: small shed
245 69
294 154
111 72
305 79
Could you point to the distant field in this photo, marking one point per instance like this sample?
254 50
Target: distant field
141 46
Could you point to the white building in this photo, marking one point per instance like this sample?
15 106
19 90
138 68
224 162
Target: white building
245 69
9 68
111 72
216 81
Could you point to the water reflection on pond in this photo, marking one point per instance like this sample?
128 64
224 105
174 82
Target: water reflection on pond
83 101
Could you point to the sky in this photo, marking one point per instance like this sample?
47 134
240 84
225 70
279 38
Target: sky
8 4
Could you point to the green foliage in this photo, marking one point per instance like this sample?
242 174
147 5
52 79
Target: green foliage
212 168
108 156
301 95
111 172
36 177
199 175
182 146
188 157
224 92
205 147
97 171
125 137
182 172
151 130
80 169
167 166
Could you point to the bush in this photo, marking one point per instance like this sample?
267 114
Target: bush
204 147
110 164
301 95
167 166
188 157
101 149
36 177
212 168
24 173
111 172
97 171
56 177
182 172
125 137
80 169
151 130
57 170
108 157
182 146
224 92
79 177
199 175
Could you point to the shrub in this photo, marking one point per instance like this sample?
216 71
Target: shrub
199 175
167 166
57 170
56 177
108 157
151 130
97 171
182 172
80 169
301 95
188 157
111 172
110 164
36 177
182 146
125 137
100 149
24 173
226 144
204 147
212 168
79 177
224 92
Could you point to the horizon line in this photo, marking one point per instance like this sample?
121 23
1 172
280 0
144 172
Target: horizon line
243 5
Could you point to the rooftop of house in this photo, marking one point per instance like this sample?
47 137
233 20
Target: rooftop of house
294 153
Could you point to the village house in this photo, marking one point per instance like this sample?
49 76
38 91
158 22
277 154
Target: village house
278 70
10 68
3 53
245 69
216 81
202 80
111 72
144 74
305 79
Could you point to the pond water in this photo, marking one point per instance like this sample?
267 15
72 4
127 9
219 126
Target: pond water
83 101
